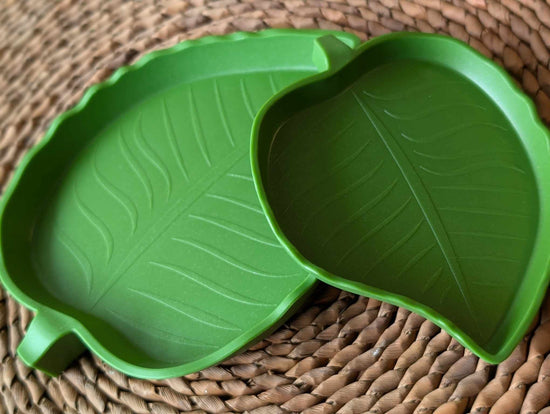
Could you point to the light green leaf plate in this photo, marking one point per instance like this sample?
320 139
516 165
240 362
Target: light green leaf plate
416 172
134 226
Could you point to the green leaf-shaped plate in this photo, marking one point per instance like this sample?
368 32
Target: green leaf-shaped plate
415 172
134 226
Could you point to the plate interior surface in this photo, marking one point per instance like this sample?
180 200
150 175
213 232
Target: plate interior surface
406 175
138 217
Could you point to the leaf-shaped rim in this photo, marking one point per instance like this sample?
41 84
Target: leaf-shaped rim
525 117
75 326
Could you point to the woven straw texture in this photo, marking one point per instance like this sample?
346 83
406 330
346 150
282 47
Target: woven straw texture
343 353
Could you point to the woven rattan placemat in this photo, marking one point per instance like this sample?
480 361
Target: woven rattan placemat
342 353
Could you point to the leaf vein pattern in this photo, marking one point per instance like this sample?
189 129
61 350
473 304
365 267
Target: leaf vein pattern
238 230
96 223
361 212
79 256
211 285
423 200
168 124
211 251
177 307
223 115
156 331
342 193
153 158
137 169
197 129
125 201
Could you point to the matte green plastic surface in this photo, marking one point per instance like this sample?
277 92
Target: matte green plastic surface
134 225
416 172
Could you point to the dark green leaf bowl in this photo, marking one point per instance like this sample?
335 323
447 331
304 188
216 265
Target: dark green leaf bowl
134 228
416 172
